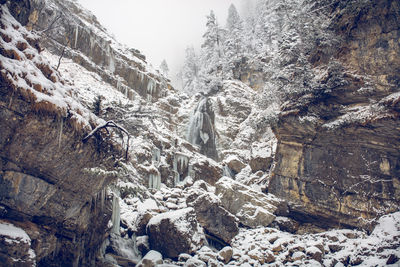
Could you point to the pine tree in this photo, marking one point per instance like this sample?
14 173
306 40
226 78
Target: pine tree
164 68
210 75
233 45
190 71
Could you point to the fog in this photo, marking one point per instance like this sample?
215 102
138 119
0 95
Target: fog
160 29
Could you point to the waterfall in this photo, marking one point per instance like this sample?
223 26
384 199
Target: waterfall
226 171
196 123
201 129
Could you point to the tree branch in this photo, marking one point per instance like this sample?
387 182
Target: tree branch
110 124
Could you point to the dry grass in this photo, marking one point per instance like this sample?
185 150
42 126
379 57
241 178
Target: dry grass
47 72
22 46
5 37
10 53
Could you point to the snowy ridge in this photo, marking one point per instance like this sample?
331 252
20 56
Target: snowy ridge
29 73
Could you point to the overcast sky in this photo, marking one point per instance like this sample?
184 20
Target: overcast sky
160 29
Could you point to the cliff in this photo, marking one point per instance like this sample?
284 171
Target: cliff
52 184
337 159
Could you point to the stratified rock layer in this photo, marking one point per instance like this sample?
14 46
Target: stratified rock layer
337 160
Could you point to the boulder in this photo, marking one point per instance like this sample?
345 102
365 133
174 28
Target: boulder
234 163
207 170
142 243
225 254
15 246
287 224
151 259
175 232
141 222
252 208
214 218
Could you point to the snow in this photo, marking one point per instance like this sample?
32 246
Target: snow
382 242
148 204
14 234
174 217
25 74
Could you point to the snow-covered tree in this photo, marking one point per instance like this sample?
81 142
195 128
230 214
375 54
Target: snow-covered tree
190 71
164 68
233 44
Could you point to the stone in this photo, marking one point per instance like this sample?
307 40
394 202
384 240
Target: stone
260 163
142 243
287 224
151 259
392 259
252 208
141 222
225 254
175 232
234 163
214 218
309 228
214 263
315 253
269 258
183 257
195 263
335 248
15 245
207 170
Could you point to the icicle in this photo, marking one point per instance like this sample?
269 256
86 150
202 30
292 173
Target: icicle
115 218
76 34
60 134
156 154
177 178
119 85
155 181
191 171
111 66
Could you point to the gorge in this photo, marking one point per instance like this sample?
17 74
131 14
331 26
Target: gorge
284 152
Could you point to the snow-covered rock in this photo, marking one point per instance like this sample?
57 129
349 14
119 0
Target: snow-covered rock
151 259
214 217
225 254
15 246
175 232
252 208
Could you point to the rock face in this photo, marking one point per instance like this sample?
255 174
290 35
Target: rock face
250 207
92 47
175 232
51 182
338 151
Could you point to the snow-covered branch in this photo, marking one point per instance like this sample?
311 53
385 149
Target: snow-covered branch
110 124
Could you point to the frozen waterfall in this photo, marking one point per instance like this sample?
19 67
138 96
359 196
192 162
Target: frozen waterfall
201 129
